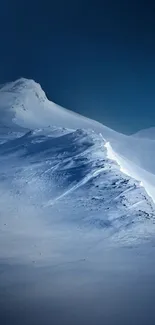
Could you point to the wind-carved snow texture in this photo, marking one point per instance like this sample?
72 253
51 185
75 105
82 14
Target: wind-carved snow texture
58 188
24 105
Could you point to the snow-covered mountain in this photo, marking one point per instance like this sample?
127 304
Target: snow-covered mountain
24 105
77 215
57 181
59 168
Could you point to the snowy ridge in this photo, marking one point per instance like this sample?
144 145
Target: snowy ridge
146 179
61 171
24 105
51 183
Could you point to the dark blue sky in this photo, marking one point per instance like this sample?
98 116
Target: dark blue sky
94 57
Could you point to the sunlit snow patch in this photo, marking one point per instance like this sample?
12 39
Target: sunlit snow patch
113 156
145 178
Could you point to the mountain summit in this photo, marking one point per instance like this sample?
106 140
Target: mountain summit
29 107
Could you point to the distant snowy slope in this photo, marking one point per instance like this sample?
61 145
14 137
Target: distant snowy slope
146 133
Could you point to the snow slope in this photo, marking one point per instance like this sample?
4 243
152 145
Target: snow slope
58 187
23 104
53 159
146 133
75 218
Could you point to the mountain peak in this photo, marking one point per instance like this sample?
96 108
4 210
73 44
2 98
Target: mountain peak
21 84
23 88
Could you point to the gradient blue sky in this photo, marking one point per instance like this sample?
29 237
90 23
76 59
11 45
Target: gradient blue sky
94 57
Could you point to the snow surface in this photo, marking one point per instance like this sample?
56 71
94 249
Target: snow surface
24 104
58 167
75 198
53 184
146 133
